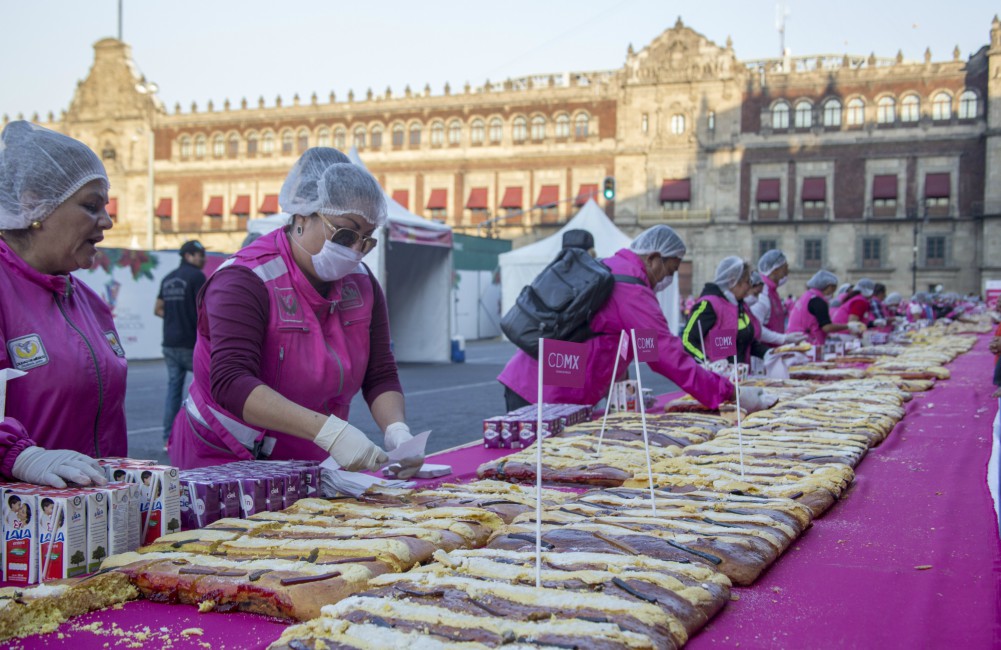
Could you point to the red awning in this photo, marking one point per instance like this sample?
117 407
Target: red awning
241 205
676 189
586 192
112 207
512 198
769 190
937 186
884 186
477 199
548 195
270 204
815 189
438 200
214 208
165 208
402 197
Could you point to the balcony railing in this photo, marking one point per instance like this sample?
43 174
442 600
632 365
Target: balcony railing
653 217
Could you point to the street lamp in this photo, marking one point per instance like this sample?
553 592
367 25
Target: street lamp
149 88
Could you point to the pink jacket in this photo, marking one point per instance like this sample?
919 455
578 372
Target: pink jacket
315 354
59 331
843 313
630 306
801 320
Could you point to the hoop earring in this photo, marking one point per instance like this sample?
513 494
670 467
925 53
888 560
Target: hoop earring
298 230
36 225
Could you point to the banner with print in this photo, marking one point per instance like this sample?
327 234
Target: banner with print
563 363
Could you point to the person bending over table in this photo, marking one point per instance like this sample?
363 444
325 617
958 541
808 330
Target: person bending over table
69 406
811 313
653 258
856 306
290 328
720 309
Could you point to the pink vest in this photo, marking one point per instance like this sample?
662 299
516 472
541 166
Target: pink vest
842 313
801 320
62 334
315 353
777 318
727 319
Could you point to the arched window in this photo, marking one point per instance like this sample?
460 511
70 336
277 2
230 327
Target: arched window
268 143
476 132
415 134
437 134
233 150
200 146
340 138
886 110
252 144
941 107
455 132
856 112
323 137
780 116
398 135
302 140
359 137
832 113
185 147
968 105
677 124
496 130
910 109
287 143
218 146
563 126
519 129
538 128
803 115
376 137
580 125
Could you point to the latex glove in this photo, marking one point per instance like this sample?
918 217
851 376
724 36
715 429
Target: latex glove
792 338
396 434
755 398
856 327
879 322
56 467
349 446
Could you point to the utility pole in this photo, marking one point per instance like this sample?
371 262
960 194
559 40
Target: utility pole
120 19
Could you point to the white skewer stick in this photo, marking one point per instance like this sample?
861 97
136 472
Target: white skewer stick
740 437
702 343
611 387
538 475
646 440
53 531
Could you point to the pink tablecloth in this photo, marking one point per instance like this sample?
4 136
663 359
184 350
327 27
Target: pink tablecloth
920 499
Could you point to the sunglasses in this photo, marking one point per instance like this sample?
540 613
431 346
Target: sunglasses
349 238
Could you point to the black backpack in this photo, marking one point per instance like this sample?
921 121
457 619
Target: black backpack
561 301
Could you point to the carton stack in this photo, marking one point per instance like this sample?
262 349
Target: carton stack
517 429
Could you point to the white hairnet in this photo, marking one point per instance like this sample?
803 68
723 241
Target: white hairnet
659 239
866 287
821 280
843 289
771 260
893 299
39 170
729 272
325 181
756 279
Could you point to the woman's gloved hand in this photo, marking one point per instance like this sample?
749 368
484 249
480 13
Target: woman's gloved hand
57 467
856 327
349 446
396 434
755 398
791 338
879 322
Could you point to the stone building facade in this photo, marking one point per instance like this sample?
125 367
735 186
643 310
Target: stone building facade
866 166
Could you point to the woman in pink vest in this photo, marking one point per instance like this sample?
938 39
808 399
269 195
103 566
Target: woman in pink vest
768 308
721 309
653 257
291 328
856 307
66 403
811 314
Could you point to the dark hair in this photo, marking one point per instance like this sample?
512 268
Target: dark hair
145 475
46 502
118 474
12 499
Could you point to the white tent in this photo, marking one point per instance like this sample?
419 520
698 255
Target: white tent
413 263
519 267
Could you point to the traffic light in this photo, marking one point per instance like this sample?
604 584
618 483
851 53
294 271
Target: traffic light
609 188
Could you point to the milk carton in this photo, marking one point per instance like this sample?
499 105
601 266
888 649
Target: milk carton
97 502
123 517
20 535
159 497
62 534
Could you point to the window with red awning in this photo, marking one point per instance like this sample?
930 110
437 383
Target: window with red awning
477 199
937 186
165 208
586 192
884 186
512 198
549 195
438 199
402 197
769 190
270 204
214 208
815 189
676 190
241 205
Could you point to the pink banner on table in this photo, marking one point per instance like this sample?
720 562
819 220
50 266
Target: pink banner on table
563 364
646 345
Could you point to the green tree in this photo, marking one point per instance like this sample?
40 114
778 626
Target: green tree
77 558
173 525
99 554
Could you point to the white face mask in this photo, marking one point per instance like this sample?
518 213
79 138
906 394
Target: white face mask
663 284
333 261
782 281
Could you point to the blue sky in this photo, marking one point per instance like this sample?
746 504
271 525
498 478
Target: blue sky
197 50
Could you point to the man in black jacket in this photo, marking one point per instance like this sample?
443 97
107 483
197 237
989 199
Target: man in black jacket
175 304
